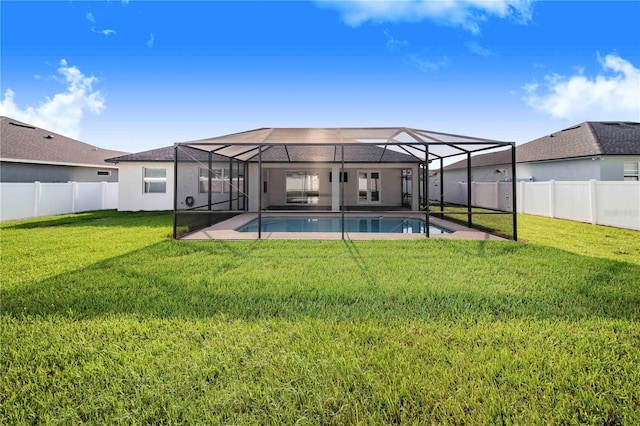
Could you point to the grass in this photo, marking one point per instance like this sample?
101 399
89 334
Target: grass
498 224
106 320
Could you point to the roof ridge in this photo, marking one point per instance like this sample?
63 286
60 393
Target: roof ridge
595 136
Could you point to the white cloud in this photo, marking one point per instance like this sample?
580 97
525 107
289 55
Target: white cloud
63 112
428 65
105 32
610 95
468 14
475 48
151 41
392 42
89 16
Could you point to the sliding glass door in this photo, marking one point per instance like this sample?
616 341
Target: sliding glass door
302 187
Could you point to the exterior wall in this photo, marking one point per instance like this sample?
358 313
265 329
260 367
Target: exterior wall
390 179
612 166
131 196
565 170
605 168
189 186
28 172
478 174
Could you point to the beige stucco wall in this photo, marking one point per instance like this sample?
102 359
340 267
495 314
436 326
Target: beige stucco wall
390 180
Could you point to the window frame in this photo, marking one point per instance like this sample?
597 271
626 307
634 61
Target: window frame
148 181
631 174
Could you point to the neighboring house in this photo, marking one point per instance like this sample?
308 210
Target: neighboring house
29 154
603 151
301 169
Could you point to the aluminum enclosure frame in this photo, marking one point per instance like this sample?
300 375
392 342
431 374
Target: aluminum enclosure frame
425 147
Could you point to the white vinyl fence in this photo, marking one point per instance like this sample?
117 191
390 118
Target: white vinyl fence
596 202
26 200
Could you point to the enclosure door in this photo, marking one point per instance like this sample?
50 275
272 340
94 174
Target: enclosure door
368 187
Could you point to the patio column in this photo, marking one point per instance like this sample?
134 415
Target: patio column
335 187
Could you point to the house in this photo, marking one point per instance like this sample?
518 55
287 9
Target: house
147 178
287 168
30 154
603 151
578 173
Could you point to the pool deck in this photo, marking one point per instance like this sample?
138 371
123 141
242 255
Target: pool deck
226 230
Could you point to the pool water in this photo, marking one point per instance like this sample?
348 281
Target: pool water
391 225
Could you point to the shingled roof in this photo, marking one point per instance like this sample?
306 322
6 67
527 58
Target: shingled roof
165 155
583 140
278 154
23 142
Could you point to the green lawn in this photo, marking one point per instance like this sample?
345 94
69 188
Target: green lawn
106 320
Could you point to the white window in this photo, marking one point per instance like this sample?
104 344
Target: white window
154 180
631 170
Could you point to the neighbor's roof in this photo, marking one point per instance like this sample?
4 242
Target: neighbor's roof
22 142
583 140
363 144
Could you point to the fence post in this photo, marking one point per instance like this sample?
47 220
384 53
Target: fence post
36 198
74 195
593 202
552 198
520 197
103 195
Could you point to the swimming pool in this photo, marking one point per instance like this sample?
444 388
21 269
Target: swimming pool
390 225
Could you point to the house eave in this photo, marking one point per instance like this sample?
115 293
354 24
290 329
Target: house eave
57 163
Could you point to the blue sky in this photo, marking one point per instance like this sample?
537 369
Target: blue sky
137 75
